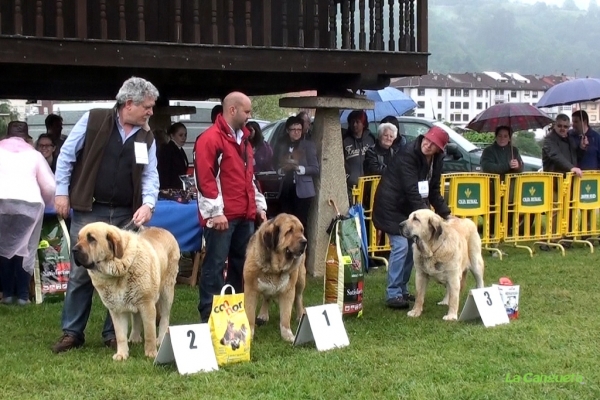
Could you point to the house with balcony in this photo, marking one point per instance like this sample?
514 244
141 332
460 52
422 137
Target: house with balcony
459 97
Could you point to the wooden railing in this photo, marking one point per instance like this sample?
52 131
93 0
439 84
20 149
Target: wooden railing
389 25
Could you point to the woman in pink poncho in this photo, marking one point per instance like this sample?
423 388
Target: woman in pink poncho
26 185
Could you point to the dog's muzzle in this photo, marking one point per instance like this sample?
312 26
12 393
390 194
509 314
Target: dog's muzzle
299 251
81 258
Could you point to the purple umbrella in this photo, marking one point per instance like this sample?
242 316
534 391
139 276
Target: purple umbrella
571 92
517 116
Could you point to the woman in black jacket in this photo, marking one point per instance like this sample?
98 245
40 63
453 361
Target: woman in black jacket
409 183
172 160
379 156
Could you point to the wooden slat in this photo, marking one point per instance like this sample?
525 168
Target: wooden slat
316 36
248 23
178 21
267 12
413 46
103 22
230 24
284 28
345 24
39 19
81 15
141 21
371 24
197 35
215 28
122 23
332 24
18 18
60 23
352 24
378 25
422 27
362 36
300 23
392 40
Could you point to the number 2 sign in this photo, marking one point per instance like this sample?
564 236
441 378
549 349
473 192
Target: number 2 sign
190 347
323 325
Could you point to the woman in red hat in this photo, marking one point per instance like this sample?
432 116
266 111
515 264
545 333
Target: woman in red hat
409 183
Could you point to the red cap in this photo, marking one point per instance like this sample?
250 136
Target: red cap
438 136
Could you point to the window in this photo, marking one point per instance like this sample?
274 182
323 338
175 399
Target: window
527 93
465 117
479 105
593 106
465 92
499 91
592 118
465 105
439 104
479 93
457 105
486 105
440 92
451 92
452 105
421 92
413 129
421 115
534 94
451 117
440 117
584 106
513 94
421 104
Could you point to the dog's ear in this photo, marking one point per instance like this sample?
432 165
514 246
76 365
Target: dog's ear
114 243
436 228
271 235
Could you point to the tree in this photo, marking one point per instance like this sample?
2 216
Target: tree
267 108
7 114
526 143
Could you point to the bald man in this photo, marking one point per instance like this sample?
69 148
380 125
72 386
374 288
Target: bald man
228 199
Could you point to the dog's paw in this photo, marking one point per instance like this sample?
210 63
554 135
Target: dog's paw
443 302
151 353
120 356
414 313
135 338
287 335
449 317
260 321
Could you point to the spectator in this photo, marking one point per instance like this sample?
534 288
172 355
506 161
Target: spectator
105 172
46 146
263 154
591 141
409 183
356 142
400 141
228 199
172 160
54 127
380 155
306 124
217 110
26 186
297 162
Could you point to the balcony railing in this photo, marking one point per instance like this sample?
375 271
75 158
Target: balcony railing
387 25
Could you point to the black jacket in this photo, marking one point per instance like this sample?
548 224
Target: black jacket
172 162
377 159
354 155
398 195
560 154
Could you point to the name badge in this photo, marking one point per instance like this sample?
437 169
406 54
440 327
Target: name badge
141 153
424 189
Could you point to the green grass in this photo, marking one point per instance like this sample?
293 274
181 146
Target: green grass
390 356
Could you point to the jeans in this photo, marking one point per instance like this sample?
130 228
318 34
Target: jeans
220 246
15 280
400 266
78 300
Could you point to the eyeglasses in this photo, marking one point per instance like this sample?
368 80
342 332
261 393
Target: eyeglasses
560 126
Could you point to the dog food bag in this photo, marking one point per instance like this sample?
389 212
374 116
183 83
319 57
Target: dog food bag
345 266
510 298
54 257
229 328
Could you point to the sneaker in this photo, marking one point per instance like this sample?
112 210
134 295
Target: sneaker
111 343
22 302
408 297
397 303
7 300
66 343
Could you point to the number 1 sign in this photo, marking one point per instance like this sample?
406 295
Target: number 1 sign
324 325
487 304
190 347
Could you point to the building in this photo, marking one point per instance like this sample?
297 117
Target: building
459 97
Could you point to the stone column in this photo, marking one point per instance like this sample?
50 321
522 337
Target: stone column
331 184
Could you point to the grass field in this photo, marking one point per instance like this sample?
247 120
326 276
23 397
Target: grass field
390 356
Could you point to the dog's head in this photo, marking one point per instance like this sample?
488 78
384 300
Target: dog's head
98 243
423 227
283 236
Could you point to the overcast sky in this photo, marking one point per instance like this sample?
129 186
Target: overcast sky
580 3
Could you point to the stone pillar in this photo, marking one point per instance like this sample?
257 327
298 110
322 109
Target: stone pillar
331 184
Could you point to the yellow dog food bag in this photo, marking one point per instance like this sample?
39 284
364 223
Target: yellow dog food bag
229 328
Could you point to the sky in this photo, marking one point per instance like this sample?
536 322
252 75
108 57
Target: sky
580 3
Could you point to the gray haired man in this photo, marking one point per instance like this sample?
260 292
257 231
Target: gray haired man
106 171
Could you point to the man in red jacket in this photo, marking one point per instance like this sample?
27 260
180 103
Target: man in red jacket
228 199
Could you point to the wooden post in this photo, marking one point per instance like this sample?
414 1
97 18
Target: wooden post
178 21
248 23
122 25
103 23
215 28
230 23
60 23
316 38
300 23
362 36
18 18
81 11
284 29
423 27
141 22
39 19
267 11
197 21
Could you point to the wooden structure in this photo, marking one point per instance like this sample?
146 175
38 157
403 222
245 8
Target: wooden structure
194 49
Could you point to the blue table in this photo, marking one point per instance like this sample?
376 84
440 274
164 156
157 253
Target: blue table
182 221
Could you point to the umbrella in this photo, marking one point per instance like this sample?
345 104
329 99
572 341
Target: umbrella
517 116
571 92
388 101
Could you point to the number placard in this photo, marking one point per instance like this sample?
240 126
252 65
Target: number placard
323 325
487 304
190 347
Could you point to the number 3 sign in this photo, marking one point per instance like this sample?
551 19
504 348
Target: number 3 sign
487 304
190 347
324 325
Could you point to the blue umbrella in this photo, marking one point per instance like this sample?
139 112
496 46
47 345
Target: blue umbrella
388 101
571 92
